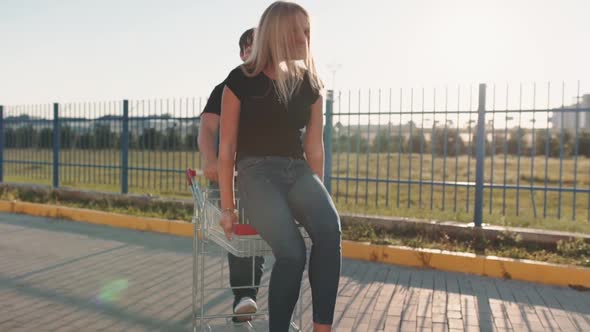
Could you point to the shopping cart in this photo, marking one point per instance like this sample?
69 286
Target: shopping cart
212 298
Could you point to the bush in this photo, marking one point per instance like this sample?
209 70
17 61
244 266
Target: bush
584 145
416 143
352 143
66 137
515 141
172 139
190 140
553 141
150 138
46 138
86 141
103 137
9 138
386 142
574 248
449 141
26 137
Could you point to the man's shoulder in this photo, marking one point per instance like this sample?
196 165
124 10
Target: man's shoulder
218 89
236 73
213 105
216 93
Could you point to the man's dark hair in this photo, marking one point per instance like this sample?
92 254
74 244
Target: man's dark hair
246 39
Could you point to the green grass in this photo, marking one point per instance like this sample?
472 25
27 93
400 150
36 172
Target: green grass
369 198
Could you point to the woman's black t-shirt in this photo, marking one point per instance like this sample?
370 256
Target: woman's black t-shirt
267 127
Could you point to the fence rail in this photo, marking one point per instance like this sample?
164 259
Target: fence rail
456 154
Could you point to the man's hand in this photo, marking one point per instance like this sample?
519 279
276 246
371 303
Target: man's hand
210 170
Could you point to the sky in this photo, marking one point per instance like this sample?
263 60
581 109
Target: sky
83 50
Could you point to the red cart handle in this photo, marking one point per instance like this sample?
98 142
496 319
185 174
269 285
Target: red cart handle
191 173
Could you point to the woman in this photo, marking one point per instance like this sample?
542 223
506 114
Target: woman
266 104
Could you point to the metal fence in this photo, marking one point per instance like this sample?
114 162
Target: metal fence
141 146
476 153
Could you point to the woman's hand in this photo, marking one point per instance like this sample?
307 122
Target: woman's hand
227 220
230 115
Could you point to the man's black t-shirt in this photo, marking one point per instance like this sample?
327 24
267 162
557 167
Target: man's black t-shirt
267 127
213 105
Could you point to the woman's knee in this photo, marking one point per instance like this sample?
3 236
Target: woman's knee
329 241
294 257
328 228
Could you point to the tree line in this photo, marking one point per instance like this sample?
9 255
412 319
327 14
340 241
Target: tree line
99 137
441 142
450 142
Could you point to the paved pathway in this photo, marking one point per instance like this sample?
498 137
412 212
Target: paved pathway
58 275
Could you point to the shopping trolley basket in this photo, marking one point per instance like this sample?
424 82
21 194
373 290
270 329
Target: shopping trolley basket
210 246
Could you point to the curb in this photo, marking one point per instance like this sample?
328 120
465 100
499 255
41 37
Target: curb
536 236
164 226
490 266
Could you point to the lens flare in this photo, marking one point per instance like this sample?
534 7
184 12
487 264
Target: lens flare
112 291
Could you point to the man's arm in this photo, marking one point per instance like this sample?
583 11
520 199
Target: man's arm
207 140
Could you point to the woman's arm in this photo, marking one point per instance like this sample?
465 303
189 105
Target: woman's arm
230 115
314 139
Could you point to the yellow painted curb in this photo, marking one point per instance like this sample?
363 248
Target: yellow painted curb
361 250
156 225
525 270
7 206
40 210
533 271
145 224
499 267
180 228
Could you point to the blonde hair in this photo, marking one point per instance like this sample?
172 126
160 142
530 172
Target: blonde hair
272 48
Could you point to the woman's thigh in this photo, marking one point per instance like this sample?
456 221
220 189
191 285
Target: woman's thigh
264 205
312 205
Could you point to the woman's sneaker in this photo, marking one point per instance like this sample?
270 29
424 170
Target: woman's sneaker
246 305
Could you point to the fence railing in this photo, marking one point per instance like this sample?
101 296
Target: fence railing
141 146
422 154
450 155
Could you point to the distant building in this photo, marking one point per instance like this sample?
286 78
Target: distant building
566 116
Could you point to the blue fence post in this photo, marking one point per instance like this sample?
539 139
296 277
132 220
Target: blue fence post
481 154
328 140
1 143
56 144
125 148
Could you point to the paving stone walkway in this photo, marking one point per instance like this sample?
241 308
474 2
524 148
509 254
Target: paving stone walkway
57 275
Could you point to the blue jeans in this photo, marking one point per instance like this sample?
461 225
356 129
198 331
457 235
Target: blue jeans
241 269
275 191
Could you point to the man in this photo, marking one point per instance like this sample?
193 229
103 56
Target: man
240 268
